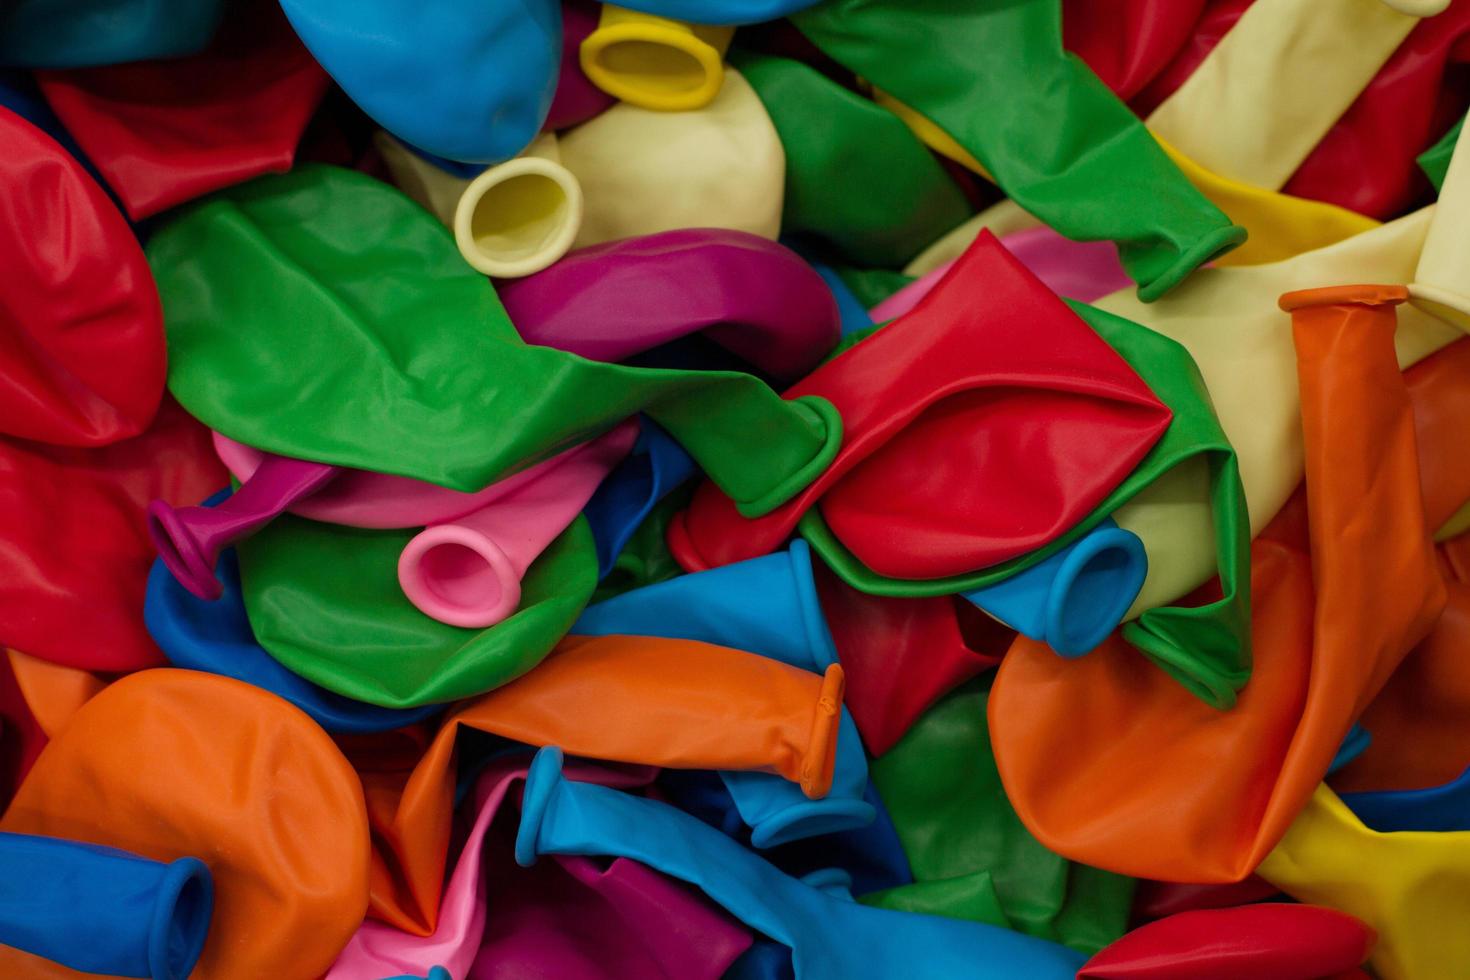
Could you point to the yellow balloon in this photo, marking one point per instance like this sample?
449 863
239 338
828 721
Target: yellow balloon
654 62
1414 888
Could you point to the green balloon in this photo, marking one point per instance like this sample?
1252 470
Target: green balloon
944 793
870 286
993 75
1435 161
1206 647
324 600
856 176
323 315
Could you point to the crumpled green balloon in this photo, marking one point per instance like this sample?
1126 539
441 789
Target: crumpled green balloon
322 314
856 176
971 856
1435 161
1206 647
993 75
324 600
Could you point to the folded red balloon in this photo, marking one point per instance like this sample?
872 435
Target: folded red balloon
1271 941
165 132
77 516
81 329
978 426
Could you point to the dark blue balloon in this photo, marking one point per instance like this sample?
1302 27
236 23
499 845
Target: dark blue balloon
102 910
1442 808
215 637
654 469
83 33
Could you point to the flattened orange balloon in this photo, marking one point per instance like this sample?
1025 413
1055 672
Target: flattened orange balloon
1179 792
175 763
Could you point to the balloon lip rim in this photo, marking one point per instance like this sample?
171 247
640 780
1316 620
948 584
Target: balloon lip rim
828 815
415 582
542 780
1365 294
1068 641
178 876
552 250
617 84
180 551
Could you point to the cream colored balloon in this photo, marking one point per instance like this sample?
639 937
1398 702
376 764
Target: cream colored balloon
1271 89
520 216
436 189
1229 321
643 171
1440 282
1000 218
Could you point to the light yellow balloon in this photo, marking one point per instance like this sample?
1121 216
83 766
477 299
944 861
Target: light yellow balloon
1276 83
643 171
1439 286
1229 321
654 62
1413 888
436 189
520 216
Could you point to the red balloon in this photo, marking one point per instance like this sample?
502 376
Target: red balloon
73 533
1157 899
902 655
1366 162
976 427
21 736
81 329
1213 24
1263 942
165 132
1128 42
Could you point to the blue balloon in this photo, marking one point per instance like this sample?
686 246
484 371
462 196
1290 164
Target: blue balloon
84 33
831 937
1075 598
654 469
1444 808
468 80
721 11
851 310
101 910
767 606
435 973
215 637
1353 745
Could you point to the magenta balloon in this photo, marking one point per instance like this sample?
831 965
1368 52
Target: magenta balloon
577 99
753 297
361 498
571 919
1077 270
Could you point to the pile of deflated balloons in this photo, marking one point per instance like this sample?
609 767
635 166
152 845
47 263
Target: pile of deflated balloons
749 489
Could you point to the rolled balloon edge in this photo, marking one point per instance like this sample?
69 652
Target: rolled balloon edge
420 586
703 45
184 902
819 763
825 414
1064 609
543 779
516 262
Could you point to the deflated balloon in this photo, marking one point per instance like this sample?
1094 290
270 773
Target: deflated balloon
856 177
325 601
674 703
174 763
467 81
1055 139
1289 942
77 515
755 298
68 33
1021 417
241 273
1328 630
166 132
81 349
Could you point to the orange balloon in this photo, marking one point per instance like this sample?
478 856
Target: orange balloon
673 703
1441 400
174 763
1174 790
52 691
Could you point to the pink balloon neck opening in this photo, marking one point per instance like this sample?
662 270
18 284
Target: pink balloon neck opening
459 577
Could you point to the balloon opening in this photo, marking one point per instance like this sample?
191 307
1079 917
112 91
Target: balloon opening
649 67
1094 590
518 218
459 577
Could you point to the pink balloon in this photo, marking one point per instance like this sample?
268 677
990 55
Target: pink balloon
1082 271
467 571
